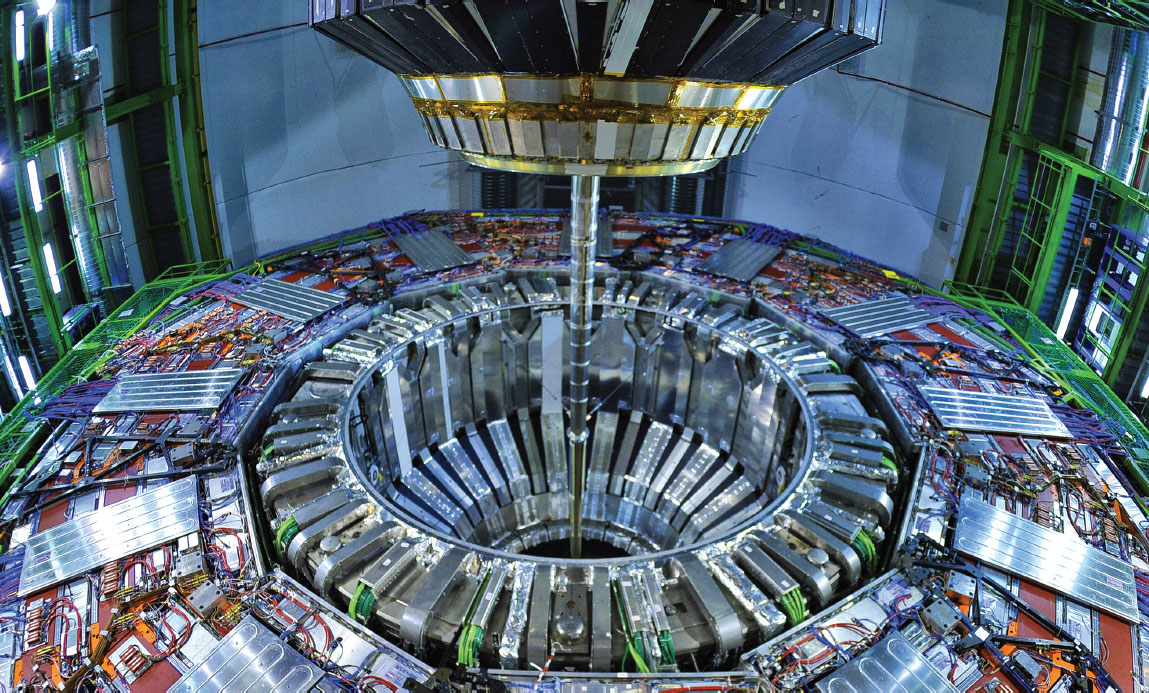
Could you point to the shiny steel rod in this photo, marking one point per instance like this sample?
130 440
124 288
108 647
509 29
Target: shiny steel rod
584 230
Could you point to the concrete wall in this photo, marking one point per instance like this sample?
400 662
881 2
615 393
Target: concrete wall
305 137
879 169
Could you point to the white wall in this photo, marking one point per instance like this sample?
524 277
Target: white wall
306 138
874 168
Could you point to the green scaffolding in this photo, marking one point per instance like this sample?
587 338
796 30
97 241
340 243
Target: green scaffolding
19 435
1082 385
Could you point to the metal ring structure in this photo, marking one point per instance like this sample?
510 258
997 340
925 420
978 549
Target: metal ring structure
400 525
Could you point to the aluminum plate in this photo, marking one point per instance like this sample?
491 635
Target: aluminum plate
741 259
1058 561
185 390
110 533
894 664
288 300
876 318
431 251
984 411
250 658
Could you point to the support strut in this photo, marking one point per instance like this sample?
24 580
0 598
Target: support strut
584 228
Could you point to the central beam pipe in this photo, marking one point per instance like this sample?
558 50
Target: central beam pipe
584 232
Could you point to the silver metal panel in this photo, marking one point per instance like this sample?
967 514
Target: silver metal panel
740 259
288 300
526 137
496 136
432 251
606 134
653 93
698 95
540 90
469 134
188 390
447 126
1058 561
894 664
110 533
479 88
677 141
707 137
984 411
759 97
422 88
551 346
629 22
875 318
250 658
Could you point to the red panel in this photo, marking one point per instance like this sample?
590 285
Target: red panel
53 516
1011 445
295 276
117 493
325 285
949 334
1118 642
1043 602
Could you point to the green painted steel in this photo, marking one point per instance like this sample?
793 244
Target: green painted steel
1132 14
20 435
18 157
994 184
194 139
1083 386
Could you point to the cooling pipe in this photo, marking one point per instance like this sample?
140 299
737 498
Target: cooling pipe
1117 147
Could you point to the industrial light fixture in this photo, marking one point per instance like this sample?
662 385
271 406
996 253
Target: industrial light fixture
1067 312
50 263
34 186
26 369
5 304
19 38
43 7
1145 388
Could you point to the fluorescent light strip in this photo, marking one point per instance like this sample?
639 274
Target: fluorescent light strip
50 263
34 186
5 305
1067 312
43 7
26 369
19 38
1145 388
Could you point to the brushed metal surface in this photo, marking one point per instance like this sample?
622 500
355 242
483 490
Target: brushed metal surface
741 259
1058 561
876 318
984 411
184 390
289 300
250 658
894 664
97 538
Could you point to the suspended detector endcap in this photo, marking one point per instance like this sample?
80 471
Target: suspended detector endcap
599 87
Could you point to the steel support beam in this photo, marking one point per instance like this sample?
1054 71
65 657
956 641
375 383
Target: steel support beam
584 233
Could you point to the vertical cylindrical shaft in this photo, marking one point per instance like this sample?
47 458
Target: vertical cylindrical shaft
584 228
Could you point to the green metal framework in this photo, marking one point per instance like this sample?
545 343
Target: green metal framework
1026 190
1132 14
20 435
1082 385
196 229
